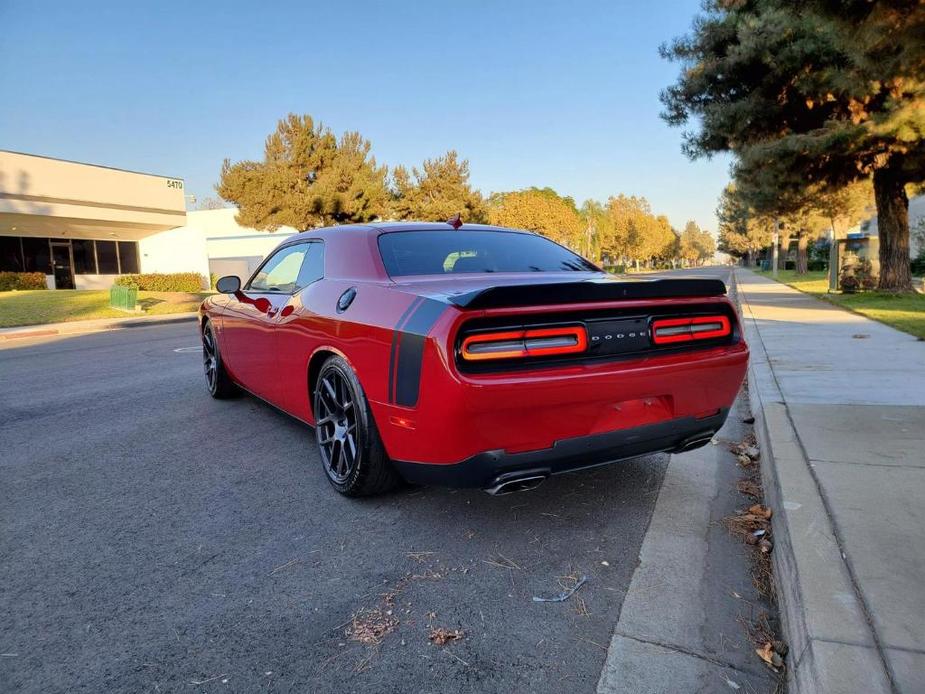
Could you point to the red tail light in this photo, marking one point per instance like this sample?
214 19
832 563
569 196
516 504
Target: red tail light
668 330
514 344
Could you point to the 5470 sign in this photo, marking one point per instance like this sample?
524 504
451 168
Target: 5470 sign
174 183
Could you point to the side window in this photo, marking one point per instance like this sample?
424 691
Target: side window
280 273
313 264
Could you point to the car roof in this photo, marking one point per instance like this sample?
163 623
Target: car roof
356 252
377 228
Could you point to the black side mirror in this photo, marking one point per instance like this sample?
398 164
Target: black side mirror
229 284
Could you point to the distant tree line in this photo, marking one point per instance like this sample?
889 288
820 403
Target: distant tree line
821 103
310 178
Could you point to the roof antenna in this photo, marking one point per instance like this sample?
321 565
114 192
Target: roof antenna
455 221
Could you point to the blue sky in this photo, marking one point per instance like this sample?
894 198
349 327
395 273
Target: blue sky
560 94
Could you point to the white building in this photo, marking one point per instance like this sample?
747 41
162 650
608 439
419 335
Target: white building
211 242
82 225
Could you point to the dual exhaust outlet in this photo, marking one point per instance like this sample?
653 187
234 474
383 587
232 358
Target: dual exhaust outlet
525 480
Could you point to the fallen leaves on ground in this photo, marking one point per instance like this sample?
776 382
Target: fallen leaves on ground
745 523
770 649
771 657
371 626
753 526
442 636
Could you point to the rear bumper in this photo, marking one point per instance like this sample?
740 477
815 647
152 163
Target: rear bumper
567 455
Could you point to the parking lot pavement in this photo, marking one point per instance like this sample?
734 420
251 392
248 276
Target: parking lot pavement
156 540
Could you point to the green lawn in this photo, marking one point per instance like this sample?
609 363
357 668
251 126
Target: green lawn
54 306
905 312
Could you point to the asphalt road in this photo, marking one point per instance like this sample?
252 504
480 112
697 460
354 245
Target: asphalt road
156 540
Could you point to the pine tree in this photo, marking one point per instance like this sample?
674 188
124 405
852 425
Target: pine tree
815 93
436 192
307 178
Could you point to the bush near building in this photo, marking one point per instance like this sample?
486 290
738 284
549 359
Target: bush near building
163 282
21 280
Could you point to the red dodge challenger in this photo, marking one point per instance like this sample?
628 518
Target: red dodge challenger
471 356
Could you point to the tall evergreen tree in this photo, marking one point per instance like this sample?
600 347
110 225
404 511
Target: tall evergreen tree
436 192
307 178
824 92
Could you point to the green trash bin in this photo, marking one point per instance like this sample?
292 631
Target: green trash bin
123 298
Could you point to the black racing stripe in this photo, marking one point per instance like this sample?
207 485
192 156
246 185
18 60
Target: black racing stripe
411 351
392 353
424 317
410 358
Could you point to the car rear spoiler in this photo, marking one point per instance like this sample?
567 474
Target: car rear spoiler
511 296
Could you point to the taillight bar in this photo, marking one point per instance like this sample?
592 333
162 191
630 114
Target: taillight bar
668 330
518 344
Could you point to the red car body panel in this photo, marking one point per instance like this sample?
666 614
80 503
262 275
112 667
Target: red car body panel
400 337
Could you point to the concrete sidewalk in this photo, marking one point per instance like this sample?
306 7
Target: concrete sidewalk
839 402
92 326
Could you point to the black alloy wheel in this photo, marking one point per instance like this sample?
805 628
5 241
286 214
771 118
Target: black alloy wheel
217 379
352 454
209 359
337 426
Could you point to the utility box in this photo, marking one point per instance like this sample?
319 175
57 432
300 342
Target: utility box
848 251
123 298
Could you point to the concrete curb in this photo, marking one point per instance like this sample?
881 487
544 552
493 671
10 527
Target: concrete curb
92 326
832 645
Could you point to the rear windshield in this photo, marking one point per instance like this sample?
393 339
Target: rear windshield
453 252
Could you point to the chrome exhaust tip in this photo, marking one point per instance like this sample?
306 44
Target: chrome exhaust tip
692 443
510 483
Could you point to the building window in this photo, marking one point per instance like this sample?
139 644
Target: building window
84 257
107 258
128 257
10 254
36 255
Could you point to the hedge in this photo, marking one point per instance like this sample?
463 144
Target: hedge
160 282
22 280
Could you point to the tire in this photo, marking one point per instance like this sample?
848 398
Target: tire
352 455
217 379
